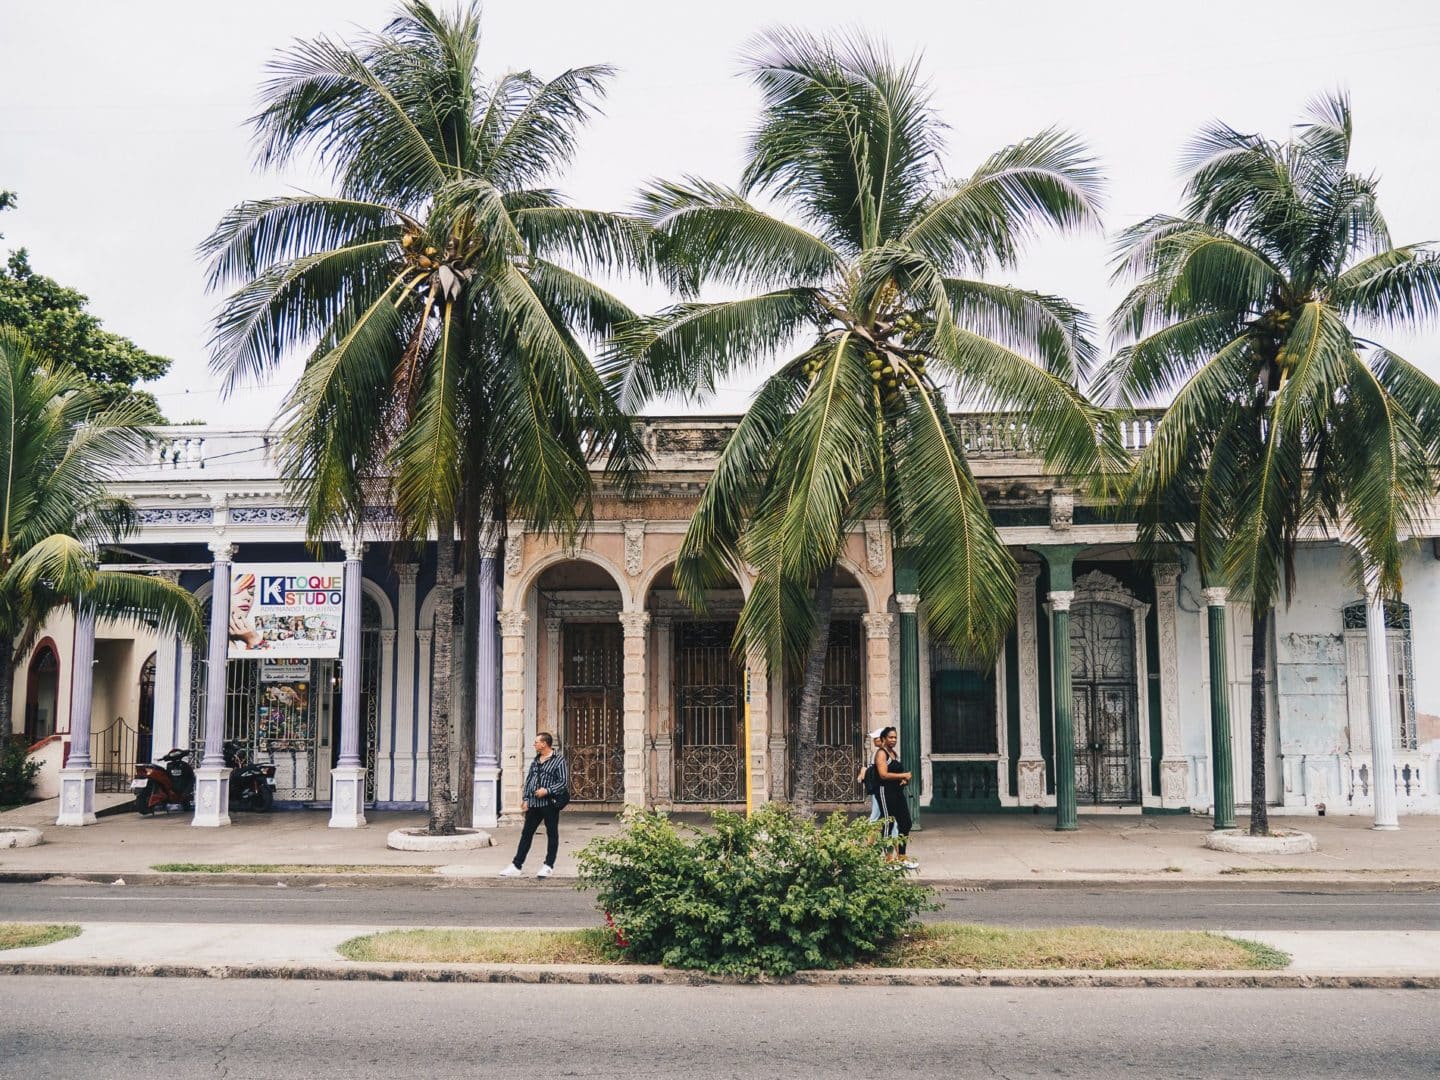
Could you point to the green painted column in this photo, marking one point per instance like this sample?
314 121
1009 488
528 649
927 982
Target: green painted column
1221 767
907 599
1061 561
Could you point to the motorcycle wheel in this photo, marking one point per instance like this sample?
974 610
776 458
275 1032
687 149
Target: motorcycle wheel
265 800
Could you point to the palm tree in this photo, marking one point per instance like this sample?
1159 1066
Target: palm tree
869 281
1252 303
441 293
61 439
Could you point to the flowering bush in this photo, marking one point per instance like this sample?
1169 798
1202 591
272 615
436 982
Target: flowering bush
769 894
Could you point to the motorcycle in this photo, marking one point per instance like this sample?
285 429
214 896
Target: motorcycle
167 782
252 786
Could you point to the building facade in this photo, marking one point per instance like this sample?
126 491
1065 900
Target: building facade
652 707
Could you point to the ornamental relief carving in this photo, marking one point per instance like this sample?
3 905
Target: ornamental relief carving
875 535
634 547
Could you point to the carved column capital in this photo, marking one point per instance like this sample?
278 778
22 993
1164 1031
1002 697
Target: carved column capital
1029 575
877 624
407 574
553 625
1166 573
221 550
387 638
1061 599
353 546
908 603
635 623
513 623
423 636
1215 595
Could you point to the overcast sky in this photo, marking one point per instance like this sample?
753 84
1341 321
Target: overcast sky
123 130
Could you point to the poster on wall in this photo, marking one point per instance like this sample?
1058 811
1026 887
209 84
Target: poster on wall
285 610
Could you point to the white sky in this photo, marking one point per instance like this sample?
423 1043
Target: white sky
122 124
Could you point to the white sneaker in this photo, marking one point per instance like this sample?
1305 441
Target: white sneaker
511 870
910 864
544 871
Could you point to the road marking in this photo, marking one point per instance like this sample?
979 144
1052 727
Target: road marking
220 899
1345 903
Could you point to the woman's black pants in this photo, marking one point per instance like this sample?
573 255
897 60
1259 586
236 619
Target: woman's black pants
550 815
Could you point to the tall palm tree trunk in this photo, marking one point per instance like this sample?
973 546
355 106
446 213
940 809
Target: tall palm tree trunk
7 687
1259 661
470 659
807 728
442 809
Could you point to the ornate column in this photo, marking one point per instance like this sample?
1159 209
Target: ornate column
402 750
553 668
1221 768
347 778
1030 766
424 659
635 624
664 731
513 625
212 778
486 799
385 736
1061 561
909 605
758 677
1174 768
77 778
1382 729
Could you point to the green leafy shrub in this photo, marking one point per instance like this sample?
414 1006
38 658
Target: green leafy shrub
770 894
17 771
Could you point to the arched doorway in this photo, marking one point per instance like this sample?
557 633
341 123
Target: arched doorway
583 675
145 713
42 693
1103 666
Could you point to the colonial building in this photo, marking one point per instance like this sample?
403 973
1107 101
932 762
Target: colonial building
650 705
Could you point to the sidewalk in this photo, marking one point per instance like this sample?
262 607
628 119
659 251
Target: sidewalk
951 849
1407 960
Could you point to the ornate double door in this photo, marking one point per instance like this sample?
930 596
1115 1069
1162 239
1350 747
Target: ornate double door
593 728
839 731
1103 694
709 715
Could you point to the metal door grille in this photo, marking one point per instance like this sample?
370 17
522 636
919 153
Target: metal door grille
839 734
708 717
1102 667
593 731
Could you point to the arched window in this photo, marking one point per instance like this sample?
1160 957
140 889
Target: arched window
42 693
1401 665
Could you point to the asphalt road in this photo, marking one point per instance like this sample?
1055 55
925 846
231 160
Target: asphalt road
557 904
279 1030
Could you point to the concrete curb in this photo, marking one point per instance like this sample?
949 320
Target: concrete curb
1359 882
597 975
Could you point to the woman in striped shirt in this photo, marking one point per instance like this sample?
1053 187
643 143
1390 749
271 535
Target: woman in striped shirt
547 790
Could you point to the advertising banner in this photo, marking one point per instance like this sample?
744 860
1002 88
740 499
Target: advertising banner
285 610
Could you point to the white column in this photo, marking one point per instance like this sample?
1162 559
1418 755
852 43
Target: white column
553 721
423 659
1030 771
347 778
77 778
384 736
402 753
212 778
878 710
1174 767
635 624
758 670
513 626
1382 730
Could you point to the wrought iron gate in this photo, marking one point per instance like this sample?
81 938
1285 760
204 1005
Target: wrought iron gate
1103 692
839 735
708 717
592 731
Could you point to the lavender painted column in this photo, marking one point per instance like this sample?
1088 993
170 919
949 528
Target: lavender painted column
486 800
212 779
77 778
1382 728
347 779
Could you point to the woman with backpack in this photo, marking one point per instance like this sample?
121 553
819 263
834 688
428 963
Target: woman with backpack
890 793
547 791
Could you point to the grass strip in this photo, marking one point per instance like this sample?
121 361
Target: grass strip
288 868
25 935
485 947
944 945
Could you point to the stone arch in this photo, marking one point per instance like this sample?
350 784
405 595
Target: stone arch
874 600
515 595
647 578
373 590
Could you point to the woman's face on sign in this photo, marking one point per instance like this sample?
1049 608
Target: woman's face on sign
244 598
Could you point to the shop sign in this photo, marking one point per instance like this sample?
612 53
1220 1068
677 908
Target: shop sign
280 610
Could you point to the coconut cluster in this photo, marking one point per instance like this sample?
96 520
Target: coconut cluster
429 259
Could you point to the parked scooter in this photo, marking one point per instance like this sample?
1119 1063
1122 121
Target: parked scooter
252 786
167 782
